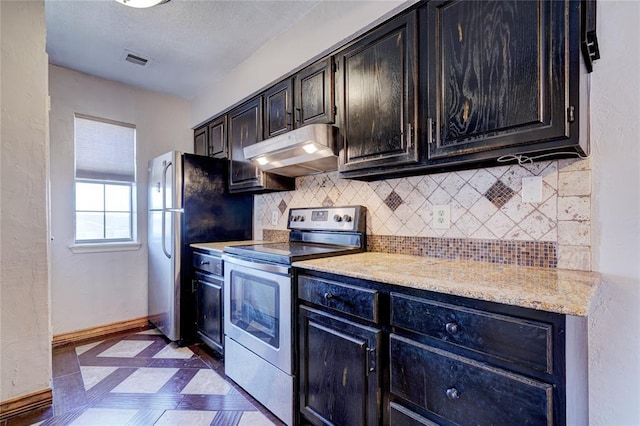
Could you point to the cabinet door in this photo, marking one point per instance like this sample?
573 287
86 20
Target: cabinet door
200 146
497 76
314 94
245 128
339 375
209 311
278 109
218 137
378 87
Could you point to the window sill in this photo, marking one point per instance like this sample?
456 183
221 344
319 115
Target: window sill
105 247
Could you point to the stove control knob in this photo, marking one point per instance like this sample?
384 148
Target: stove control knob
346 218
301 218
294 218
337 218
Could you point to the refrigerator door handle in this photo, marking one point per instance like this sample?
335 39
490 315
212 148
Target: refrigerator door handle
164 206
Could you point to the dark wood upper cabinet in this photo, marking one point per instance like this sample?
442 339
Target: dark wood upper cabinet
314 94
211 139
501 78
445 85
200 141
278 105
377 98
218 137
245 128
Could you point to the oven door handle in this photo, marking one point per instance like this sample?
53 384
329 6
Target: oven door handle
261 266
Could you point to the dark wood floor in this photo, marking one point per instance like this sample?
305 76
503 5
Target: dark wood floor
143 379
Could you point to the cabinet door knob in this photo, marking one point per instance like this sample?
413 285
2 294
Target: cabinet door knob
204 262
452 393
451 327
328 296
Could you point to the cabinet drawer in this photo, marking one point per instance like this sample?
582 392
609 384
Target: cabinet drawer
356 301
524 342
459 389
208 263
399 415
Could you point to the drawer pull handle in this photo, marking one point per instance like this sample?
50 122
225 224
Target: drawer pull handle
452 393
328 296
451 327
204 262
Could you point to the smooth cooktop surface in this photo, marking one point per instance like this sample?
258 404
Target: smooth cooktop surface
287 252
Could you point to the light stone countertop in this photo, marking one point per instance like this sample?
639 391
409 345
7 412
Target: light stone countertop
219 247
554 290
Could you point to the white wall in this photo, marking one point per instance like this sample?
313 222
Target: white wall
322 28
93 289
614 352
25 335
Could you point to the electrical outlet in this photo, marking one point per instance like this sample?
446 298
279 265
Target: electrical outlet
442 217
532 189
274 218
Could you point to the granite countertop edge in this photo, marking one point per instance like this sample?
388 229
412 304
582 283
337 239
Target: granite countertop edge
218 247
561 291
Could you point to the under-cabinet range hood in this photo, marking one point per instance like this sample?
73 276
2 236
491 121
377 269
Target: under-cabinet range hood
303 151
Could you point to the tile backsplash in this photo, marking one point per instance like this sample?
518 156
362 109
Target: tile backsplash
489 220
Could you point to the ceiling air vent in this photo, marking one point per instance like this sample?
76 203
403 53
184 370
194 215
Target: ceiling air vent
135 58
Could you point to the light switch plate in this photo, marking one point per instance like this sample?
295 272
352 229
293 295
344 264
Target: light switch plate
442 216
274 218
532 189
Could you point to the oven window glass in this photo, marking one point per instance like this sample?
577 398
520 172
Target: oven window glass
255 303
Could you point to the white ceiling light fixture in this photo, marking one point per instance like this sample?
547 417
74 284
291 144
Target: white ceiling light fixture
140 4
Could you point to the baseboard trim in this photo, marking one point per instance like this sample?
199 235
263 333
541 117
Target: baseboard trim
26 403
100 331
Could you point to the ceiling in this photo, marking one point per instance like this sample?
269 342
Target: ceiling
189 43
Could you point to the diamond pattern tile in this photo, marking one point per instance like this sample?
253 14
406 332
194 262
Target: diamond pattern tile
143 379
499 194
282 206
402 206
393 201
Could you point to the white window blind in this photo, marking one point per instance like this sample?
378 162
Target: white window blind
104 151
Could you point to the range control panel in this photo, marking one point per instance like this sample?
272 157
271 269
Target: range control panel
346 218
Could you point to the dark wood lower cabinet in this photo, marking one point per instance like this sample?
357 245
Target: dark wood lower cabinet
339 373
413 357
209 311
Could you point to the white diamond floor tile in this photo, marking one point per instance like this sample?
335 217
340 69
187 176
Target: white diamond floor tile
145 380
153 331
172 351
254 418
126 348
94 375
186 417
104 416
82 349
206 382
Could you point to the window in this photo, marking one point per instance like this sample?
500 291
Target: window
104 180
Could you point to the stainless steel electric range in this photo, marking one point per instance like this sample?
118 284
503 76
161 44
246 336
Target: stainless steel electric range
259 298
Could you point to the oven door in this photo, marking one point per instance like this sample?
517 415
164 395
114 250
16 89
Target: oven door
257 309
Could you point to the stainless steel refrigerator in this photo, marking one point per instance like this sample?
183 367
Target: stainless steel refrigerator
188 203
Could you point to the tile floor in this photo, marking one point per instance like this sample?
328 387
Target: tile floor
142 379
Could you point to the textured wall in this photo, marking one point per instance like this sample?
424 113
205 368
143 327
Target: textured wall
486 205
93 289
25 339
614 352
321 28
